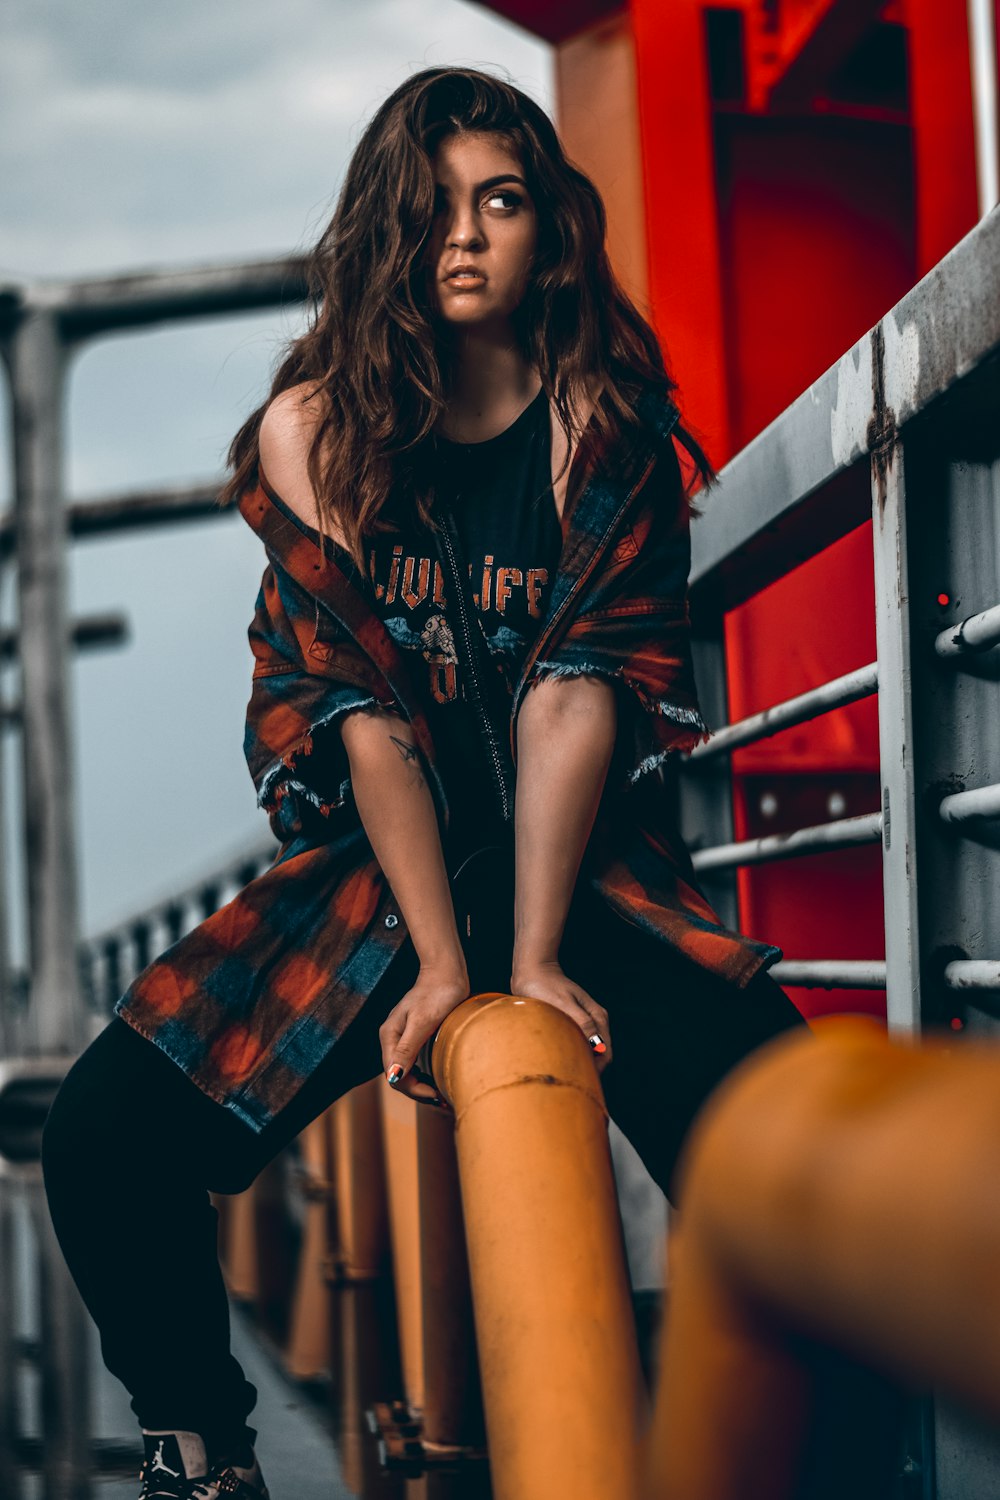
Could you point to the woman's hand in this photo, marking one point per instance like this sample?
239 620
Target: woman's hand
545 980
413 1022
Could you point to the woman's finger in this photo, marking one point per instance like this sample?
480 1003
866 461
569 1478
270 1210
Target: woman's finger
402 1034
421 1093
390 1032
593 1022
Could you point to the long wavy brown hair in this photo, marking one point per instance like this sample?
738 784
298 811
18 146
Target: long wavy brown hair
373 350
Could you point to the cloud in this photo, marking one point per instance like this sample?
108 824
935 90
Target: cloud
167 134
136 135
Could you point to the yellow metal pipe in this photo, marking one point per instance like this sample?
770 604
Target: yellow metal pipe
307 1354
367 1373
838 1187
240 1252
434 1313
562 1385
359 1183
399 1126
453 1417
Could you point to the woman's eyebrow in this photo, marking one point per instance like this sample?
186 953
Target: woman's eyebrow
489 182
496 181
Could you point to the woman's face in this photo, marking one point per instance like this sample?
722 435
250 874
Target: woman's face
484 233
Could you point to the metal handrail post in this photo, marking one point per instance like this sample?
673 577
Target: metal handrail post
6 976
37 363
895 711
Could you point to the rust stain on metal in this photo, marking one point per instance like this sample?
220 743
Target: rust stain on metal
882 431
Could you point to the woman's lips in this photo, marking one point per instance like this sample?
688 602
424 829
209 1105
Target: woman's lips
465 281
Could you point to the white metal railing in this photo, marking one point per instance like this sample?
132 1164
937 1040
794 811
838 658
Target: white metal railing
832 973
110 959
973 974
842 833
971 806
876 436
839 691
978 633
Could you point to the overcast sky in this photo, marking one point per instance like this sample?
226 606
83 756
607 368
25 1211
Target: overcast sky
168 135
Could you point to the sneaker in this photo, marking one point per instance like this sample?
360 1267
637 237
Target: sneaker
232 1479
174 1463
176 1468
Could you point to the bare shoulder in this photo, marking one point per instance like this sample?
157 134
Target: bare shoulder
287 429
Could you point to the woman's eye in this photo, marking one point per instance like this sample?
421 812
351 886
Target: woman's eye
505 197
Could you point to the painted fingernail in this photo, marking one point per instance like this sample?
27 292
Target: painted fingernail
394 1074
596 1042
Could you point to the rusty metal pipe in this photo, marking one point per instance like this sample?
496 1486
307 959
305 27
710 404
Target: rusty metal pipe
836 1187
562 1385
973 974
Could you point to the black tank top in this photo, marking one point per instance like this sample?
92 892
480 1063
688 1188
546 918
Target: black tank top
500 493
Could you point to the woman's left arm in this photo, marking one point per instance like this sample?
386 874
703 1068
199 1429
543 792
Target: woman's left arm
566 729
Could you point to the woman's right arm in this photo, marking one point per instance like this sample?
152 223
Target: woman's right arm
392 797
397 812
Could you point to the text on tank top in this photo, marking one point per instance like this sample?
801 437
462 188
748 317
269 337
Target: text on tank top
500 494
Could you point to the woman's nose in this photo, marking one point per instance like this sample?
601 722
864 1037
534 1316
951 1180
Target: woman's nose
464 231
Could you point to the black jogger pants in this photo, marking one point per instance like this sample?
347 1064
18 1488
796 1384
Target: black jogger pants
132 1147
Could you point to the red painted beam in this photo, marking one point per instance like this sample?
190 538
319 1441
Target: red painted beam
553 20
678 153
812 49
944 147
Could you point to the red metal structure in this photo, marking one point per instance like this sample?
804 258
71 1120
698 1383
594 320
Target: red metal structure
778 173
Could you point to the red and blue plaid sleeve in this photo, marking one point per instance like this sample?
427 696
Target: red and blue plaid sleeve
633 626
307 674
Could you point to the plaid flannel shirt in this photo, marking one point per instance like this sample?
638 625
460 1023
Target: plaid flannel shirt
250 1001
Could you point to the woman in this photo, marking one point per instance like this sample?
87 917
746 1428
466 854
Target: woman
470 662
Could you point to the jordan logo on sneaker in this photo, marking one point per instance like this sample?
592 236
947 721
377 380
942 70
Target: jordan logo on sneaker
159 1464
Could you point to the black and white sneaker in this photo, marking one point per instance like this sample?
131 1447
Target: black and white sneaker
176 1468
174 1463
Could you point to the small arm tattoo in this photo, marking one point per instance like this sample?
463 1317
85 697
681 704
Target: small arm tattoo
406 750
409 753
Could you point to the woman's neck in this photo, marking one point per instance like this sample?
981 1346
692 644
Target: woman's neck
490 383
